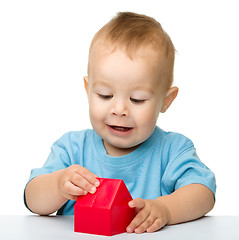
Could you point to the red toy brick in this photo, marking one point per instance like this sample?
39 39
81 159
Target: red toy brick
106 212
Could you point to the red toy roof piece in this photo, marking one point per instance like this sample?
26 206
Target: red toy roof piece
107 186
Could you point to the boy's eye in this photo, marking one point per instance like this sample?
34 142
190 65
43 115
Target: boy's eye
134 100
106 97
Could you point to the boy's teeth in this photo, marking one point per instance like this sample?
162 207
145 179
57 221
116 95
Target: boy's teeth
120 128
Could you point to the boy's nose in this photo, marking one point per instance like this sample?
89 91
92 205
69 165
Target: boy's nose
120 108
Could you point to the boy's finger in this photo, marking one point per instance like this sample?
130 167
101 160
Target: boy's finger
83 183
158 224
145 225
138 220
138 203
71 189
88 175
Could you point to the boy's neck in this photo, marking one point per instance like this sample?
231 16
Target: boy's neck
117 152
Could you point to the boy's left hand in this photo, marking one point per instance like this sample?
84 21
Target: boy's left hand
152 215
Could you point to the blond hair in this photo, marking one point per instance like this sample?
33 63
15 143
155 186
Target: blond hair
131 31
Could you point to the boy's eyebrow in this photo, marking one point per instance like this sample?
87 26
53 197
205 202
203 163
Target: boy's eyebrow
137 89
145 89
95 83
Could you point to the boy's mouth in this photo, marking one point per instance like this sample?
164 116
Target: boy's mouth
120 130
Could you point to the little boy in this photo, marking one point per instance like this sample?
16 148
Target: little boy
129 82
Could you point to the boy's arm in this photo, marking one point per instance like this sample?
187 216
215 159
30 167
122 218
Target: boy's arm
47 193
42 195
188 203
185 204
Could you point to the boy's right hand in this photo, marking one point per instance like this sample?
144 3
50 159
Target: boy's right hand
75 181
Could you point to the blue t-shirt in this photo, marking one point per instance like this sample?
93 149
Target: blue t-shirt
162 164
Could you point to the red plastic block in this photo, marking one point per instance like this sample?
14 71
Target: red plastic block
106 212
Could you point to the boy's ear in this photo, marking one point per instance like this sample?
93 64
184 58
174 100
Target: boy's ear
169 98
86 84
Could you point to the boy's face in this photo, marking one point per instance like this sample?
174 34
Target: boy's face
124 98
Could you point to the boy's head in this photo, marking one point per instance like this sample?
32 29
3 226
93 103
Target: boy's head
130 73
131 32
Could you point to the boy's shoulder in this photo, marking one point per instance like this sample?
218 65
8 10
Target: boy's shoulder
174 136
173 140
75 136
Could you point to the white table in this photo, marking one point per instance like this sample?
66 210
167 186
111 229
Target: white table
62 227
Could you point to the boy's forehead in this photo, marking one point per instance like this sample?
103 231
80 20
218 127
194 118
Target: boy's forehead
145 61
107 59
146 53
100 50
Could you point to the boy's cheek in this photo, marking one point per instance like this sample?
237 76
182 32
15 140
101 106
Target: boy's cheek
95 107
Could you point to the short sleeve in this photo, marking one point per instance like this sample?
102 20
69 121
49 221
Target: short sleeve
185 169
58 159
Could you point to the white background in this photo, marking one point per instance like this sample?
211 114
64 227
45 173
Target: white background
43 58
